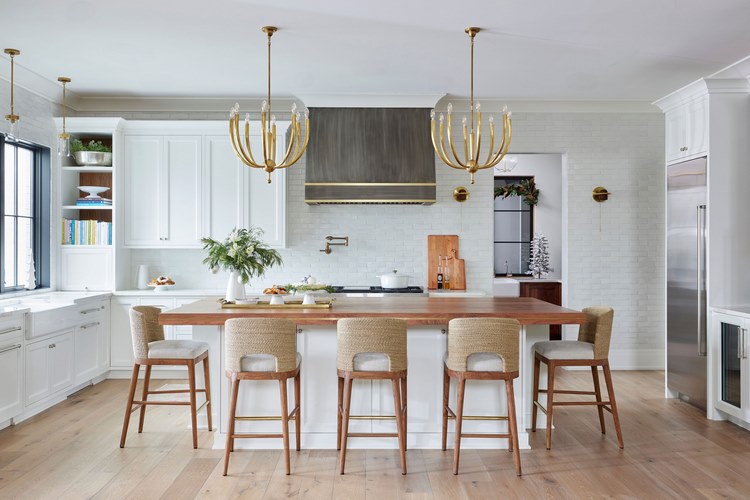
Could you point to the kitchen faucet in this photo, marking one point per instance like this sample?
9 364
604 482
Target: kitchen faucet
329 243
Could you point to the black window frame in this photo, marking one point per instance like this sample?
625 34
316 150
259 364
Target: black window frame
513 179
40 212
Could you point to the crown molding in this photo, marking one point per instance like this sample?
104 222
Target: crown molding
37 84
370 100
177 104
550 106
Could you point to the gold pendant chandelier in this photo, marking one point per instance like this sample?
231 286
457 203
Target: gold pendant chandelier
63 138
241 142
472 133
12 117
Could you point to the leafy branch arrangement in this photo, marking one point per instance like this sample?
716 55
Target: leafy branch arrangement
242 251
526 189
77 145
315 287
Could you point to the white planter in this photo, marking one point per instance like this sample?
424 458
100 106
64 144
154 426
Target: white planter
235 288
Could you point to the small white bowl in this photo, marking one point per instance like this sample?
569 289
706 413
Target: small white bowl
161 288
276 300
251 300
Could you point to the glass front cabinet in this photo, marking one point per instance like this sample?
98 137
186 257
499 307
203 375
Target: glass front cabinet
731 371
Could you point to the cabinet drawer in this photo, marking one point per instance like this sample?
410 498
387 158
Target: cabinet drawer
11 328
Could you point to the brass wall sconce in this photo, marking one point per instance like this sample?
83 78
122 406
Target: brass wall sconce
342 241
460 194
600 194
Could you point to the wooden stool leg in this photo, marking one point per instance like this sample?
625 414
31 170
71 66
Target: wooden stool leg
298 414
459 421
285 424
345 422
146 382
193 416
405 408
396 383
230 422
207 382
129 407
613 403
339 412
446 396
535 396
550 400
512 424
598 391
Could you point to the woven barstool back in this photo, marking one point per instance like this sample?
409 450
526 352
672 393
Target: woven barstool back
371 335
597 330
144 328
467 336
275 337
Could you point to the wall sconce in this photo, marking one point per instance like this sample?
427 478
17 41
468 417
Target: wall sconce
600 194
460 194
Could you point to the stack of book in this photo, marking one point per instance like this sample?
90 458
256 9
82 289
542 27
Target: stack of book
93 201
86 232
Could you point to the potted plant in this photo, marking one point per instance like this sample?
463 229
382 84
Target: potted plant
244 254
92 153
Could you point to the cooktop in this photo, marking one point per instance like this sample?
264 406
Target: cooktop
377 289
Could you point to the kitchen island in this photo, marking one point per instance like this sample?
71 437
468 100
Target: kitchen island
427 319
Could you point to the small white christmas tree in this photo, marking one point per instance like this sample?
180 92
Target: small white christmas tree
539 262
30 271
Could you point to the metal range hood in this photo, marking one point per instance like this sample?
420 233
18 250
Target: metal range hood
370 155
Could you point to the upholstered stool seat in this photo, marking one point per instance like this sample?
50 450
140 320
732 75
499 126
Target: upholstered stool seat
481 349
262 349
565 349
149 349
371 349
591 349
176 349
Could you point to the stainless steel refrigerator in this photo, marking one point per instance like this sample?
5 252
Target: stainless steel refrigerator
686 280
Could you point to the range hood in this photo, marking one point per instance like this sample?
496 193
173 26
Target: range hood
370 155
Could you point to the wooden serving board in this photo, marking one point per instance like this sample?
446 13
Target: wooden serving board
445 245
288 304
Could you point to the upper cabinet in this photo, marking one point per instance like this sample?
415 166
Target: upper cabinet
163 191
687 130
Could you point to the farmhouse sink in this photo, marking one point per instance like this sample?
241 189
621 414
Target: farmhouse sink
505 287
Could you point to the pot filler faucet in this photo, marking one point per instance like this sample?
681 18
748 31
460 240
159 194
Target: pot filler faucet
344 241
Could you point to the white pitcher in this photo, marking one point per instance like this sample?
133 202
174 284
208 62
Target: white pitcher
141 278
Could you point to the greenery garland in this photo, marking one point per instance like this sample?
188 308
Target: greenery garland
526 189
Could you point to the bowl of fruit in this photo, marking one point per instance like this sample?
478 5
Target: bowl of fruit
277 293
161 284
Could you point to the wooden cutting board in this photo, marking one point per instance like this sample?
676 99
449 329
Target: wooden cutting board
445 245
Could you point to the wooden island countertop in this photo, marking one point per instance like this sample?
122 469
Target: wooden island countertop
415 310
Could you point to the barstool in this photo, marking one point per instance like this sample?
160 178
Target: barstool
591 349
371 349
149 349
481 349
262 349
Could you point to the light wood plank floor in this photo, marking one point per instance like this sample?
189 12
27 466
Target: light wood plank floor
671 451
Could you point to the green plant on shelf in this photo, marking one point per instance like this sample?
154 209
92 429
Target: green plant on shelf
77 145
313 287
526 189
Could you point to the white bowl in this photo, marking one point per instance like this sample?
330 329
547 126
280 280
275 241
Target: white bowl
276 300
93 191
161 288
250 300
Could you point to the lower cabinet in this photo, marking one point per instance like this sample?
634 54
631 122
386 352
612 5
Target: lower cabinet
732 365
11 373
548 292
89 338
49 366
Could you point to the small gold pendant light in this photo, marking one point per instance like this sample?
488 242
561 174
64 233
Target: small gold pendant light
12 117
63 139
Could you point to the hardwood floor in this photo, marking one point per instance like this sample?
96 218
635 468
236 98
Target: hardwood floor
671 450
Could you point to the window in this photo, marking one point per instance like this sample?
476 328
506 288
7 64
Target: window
514 227
24 217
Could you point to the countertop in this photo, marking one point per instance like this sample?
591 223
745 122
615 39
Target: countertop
528 279
420 310
743 311
46 301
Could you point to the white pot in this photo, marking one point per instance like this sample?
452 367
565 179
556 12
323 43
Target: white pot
394 280
235 289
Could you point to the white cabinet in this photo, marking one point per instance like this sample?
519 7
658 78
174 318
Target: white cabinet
239 196
89 338
687 130
163 194
49 366
731 365
86 268
121 345
11 368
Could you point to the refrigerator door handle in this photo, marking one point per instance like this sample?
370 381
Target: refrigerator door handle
700 211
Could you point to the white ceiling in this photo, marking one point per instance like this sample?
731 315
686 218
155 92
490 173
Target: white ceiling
544 49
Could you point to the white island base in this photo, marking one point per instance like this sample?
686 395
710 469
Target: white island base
426 347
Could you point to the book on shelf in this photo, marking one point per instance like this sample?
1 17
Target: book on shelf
86 232
94 202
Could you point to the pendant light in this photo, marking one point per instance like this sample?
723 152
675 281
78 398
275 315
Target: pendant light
12 117
63 139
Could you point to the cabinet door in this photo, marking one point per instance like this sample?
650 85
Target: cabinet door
180 198
86 269
88 338
143 191
676 133
121 345
697 123
11 374
37 371
61 362
224 187
266 203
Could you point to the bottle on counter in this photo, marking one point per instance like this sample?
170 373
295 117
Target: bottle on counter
446 276
440 273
